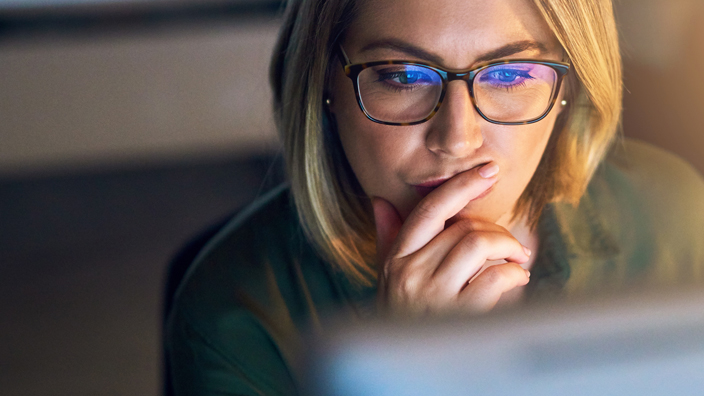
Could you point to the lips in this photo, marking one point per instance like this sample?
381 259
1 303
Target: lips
427 187
425 190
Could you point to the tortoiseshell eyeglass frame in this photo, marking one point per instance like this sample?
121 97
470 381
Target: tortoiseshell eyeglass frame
352 71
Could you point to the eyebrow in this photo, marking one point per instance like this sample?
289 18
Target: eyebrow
513 48
417 52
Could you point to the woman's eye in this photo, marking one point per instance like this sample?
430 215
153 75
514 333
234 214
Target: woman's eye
506 77
404 77
409 77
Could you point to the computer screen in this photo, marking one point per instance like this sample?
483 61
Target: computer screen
630 345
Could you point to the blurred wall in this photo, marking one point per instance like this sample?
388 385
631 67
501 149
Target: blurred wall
133 97
663 47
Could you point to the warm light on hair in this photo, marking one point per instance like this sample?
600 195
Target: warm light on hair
333 209
585 131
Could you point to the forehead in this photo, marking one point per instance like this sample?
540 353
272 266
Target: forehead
458 31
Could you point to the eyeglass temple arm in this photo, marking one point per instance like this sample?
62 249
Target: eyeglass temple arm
342 56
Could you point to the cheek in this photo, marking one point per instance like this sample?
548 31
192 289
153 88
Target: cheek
527 148
522 149
518 150
374 151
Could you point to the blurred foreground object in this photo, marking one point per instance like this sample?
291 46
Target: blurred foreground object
637 344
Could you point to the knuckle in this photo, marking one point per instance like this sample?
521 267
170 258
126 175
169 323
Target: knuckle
493 275
475 240
405 282
433 288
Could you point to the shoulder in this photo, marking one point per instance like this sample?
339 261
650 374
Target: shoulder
263 231
663 175
652 182
241 251
245 301
257 262
640 222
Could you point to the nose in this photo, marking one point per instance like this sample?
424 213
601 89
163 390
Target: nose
455 130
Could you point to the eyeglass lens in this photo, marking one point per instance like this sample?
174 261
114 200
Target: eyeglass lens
514 92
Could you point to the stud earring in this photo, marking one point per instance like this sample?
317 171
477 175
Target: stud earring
328 102
564 103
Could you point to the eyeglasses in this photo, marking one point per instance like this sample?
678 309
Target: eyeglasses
512 92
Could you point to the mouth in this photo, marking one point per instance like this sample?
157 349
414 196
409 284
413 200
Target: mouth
427 187
423 191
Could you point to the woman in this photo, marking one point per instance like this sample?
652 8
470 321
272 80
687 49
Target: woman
441 158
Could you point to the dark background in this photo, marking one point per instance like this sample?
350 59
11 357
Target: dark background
124 129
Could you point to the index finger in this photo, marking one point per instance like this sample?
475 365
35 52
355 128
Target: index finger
428 218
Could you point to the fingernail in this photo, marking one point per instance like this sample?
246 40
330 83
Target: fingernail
528 252
527 273
489 170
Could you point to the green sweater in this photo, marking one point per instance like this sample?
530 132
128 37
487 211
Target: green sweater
238 319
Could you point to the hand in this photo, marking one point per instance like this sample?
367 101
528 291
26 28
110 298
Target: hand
424 267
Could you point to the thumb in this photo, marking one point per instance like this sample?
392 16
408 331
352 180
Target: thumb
388 224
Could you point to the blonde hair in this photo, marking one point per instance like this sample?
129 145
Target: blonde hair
332 207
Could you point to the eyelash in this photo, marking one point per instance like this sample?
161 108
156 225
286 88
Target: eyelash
386 76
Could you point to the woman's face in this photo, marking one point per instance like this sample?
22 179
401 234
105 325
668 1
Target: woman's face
402 163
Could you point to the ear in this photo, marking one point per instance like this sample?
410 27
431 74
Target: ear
329 121
561 103
328 102
565 97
